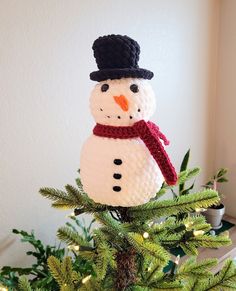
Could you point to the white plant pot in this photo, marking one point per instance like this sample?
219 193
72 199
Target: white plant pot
214 216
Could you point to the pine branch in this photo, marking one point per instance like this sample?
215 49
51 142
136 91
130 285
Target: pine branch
24 284
189 249
66 268
67 235
114 226
55 268
77 195
166 286
224 280
105 257
149 248
73 199
61 198
209 241
155 273
182 204
196 269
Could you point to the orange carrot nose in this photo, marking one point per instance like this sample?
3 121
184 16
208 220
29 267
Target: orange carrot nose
122 101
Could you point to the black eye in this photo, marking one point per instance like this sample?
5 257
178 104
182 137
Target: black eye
104 87
134 88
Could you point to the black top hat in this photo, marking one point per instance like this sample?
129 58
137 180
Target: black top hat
117 57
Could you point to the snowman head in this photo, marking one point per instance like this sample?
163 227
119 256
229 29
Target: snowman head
123 95
122 102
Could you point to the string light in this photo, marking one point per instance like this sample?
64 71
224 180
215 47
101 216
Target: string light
175 265
177 259
145 235
198 210
76 248
72 247
86 279
72 214
188 224
198 232
150 224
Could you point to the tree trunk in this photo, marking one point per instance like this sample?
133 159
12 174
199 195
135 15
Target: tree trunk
126 260
126 269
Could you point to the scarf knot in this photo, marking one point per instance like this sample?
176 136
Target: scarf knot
150 134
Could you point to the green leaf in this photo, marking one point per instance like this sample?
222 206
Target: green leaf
192 173
186 191
222 180
221 172
185 161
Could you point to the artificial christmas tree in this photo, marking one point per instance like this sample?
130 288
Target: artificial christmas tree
124 171
131 251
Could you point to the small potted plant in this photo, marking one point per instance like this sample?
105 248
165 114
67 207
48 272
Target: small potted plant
214 214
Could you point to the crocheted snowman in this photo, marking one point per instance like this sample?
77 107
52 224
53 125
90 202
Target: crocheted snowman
123 163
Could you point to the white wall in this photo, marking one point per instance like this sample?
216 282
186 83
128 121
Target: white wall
45 60
226 102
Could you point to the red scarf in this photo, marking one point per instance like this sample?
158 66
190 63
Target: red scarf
150 135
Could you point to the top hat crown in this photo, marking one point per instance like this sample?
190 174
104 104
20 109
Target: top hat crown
117 57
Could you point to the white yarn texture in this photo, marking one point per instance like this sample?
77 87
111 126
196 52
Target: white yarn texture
140 177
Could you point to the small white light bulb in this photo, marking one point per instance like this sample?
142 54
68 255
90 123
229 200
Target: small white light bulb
72 214
199 210
86 279
198 232
76 248
188 224
145 235
177 259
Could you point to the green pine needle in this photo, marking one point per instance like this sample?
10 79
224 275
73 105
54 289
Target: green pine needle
67 235
209 241
56 270
149 248
196 269
182 204
24 284
224 280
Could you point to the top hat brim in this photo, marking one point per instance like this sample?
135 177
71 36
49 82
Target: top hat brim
112 74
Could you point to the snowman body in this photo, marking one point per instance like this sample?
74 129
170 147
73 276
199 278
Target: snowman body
119 172
114 171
